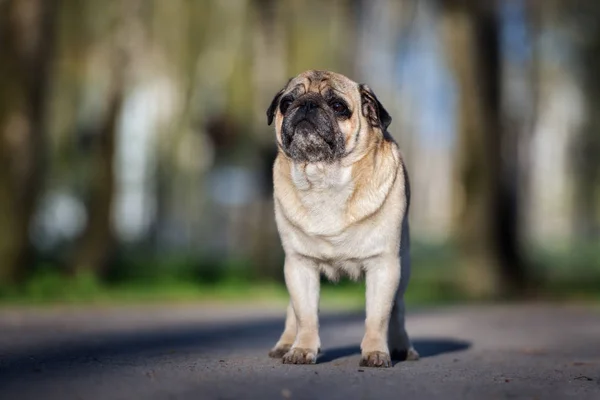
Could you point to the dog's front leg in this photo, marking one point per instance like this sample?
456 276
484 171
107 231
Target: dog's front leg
302 281
383 277
285 342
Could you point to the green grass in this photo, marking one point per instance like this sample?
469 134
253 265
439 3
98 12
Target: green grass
54 288
572 274
50 288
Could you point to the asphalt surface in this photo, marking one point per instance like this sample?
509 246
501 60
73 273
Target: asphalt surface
201 352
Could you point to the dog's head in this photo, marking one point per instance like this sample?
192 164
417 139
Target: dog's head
322 116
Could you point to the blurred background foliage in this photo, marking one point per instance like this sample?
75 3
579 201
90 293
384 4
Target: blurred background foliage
135 158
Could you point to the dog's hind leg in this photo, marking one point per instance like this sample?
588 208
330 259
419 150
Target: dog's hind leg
398 340
399 343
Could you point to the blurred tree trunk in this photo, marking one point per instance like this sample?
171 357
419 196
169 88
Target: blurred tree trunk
26 50
269 55
587 146
269 75
581 21
486 224
97 240
527 121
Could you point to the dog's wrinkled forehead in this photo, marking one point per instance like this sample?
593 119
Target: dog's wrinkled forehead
321 82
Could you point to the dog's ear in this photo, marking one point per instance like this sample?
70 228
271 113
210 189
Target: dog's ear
372 108
273 107
274 103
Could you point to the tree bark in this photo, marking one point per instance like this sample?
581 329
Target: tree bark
586 162
97 240
487 200
26 48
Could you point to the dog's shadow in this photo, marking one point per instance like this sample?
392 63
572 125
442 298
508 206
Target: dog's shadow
426 348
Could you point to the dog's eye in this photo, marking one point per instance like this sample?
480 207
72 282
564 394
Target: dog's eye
284 105
339 108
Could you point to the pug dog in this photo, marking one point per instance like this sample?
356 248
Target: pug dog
342 197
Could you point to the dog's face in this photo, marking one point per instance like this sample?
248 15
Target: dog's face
322 116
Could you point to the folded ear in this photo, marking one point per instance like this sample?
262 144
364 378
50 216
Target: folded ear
273 107
274 103
372 109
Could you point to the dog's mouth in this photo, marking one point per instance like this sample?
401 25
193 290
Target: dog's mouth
307 142
304 124
305 127
311 135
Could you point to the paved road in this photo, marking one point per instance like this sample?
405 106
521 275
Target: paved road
483 352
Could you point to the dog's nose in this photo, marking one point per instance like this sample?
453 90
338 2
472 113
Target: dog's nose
308 105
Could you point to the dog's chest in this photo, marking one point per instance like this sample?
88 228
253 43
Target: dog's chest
323 230
323 194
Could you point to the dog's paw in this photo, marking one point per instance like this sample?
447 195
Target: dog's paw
405 355
279 350
377 359
300 356
412 355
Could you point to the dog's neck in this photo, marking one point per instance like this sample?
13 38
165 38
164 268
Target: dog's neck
320 176
339 174
334 196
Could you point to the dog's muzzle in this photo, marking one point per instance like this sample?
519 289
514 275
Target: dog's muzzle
309 132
